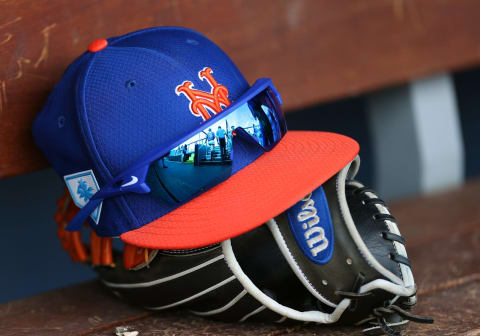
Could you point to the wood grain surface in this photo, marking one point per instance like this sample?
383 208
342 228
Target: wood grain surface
315 50
445 265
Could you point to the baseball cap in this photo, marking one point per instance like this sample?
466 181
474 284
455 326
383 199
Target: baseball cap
122 99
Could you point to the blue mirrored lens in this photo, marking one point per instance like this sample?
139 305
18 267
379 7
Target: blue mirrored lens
205 159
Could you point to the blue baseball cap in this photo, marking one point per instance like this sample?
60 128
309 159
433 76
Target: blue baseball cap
120 100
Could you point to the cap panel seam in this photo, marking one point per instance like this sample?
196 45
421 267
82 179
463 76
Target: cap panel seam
89 143
89 135
238 74
83 120
153 29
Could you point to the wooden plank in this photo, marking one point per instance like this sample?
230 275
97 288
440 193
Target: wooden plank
67 311
70 311
456 311
87 308
444 306
445 266
314 50
446 263
438 217
442 276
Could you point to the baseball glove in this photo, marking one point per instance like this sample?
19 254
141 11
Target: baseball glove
336 256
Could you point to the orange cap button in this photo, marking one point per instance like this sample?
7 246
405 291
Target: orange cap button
97 45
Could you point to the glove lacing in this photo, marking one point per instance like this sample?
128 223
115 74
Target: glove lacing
379 314
374 200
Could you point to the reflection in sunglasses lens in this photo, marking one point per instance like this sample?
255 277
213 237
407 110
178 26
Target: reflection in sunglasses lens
205 159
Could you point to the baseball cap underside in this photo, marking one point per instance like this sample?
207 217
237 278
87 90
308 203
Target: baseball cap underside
302 161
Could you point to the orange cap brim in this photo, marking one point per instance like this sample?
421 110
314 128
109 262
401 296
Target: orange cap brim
278 179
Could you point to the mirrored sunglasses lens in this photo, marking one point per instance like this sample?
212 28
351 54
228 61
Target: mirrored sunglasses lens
205 159
191 168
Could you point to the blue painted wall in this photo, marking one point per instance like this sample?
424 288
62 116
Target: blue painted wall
31 258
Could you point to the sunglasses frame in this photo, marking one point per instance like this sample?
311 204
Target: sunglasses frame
132 180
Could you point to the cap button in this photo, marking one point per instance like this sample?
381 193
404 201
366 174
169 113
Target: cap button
97 45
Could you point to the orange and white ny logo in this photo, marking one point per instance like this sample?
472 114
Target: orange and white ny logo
202 102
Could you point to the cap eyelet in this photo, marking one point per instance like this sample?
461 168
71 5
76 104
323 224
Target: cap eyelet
130 84
192 42
61 121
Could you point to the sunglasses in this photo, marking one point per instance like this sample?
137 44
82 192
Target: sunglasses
181 170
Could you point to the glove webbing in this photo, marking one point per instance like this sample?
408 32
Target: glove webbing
100 252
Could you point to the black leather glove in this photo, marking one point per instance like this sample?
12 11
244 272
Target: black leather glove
336 256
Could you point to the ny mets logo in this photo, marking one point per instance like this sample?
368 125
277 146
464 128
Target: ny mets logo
202 102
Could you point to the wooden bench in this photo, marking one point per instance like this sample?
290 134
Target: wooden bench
315 51
442 234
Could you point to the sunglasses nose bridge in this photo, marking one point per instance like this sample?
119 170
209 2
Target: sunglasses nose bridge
248 139
245 149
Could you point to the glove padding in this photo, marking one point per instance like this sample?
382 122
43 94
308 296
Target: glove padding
334 257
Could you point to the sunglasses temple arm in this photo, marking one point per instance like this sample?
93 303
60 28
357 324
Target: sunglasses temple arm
78 221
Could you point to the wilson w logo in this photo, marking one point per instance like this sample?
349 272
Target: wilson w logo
201 102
